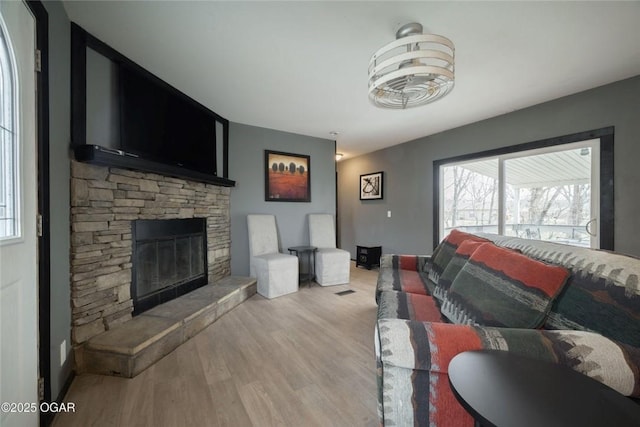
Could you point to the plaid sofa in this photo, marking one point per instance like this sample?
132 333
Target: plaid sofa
593 326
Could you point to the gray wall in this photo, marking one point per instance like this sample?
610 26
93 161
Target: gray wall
246 167
59 140
103 120
408 168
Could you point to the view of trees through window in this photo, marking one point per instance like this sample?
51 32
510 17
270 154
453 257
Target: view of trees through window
546 195
470 200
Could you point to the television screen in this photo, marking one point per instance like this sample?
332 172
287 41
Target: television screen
159 124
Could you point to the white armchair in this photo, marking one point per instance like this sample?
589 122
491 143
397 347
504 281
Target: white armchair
332 264
276 273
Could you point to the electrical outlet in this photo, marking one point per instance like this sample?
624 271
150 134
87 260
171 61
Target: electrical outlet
63 352
388 214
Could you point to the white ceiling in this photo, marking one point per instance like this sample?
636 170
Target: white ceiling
302 66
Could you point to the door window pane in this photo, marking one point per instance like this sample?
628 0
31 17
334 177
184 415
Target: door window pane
548 196
471 197
8 147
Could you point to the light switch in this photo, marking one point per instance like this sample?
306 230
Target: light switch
388 214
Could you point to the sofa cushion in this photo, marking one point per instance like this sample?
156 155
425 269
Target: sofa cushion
446 249
601 295
500 287
399 278
402 305
459 259
591 302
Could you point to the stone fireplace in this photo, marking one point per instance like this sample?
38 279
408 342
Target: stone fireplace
105 203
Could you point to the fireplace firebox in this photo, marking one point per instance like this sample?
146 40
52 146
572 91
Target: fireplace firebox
169 260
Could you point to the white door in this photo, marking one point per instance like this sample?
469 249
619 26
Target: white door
18 205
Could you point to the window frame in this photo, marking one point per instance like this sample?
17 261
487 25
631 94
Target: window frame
12 185
606 170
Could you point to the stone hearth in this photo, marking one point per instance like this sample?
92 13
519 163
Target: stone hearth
132 347
104 202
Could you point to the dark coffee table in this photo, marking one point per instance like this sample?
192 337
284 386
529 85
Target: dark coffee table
501 389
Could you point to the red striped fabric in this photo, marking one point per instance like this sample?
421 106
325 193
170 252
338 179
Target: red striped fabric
424 308
447 341
535 274
468 247
411 282
408 262
456 237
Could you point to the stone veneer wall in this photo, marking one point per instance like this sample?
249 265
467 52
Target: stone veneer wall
104 201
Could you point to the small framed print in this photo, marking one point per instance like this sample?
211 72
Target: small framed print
371 186
287 177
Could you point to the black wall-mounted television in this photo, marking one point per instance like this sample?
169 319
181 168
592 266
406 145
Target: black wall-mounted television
162 126
124 116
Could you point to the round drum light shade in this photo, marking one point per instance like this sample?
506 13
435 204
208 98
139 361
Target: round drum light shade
413 70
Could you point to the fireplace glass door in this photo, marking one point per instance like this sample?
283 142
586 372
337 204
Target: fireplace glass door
169 260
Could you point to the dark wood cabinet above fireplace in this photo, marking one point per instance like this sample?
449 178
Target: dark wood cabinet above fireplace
124 116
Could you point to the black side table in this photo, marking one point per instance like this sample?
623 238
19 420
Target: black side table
368 256
500 389
310 252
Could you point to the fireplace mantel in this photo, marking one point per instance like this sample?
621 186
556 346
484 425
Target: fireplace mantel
97 155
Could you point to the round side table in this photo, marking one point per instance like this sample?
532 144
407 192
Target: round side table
502 389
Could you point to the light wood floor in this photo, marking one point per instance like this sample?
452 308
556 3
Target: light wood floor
304 359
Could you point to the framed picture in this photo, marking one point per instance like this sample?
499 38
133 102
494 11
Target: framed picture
371 186
287 177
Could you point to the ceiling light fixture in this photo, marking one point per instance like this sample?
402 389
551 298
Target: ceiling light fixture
413 70
339 156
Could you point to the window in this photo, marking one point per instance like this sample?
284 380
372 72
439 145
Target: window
547 190
470 196
9 225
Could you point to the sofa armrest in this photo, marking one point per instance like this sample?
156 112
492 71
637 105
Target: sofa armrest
405 262
411 391
431 346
